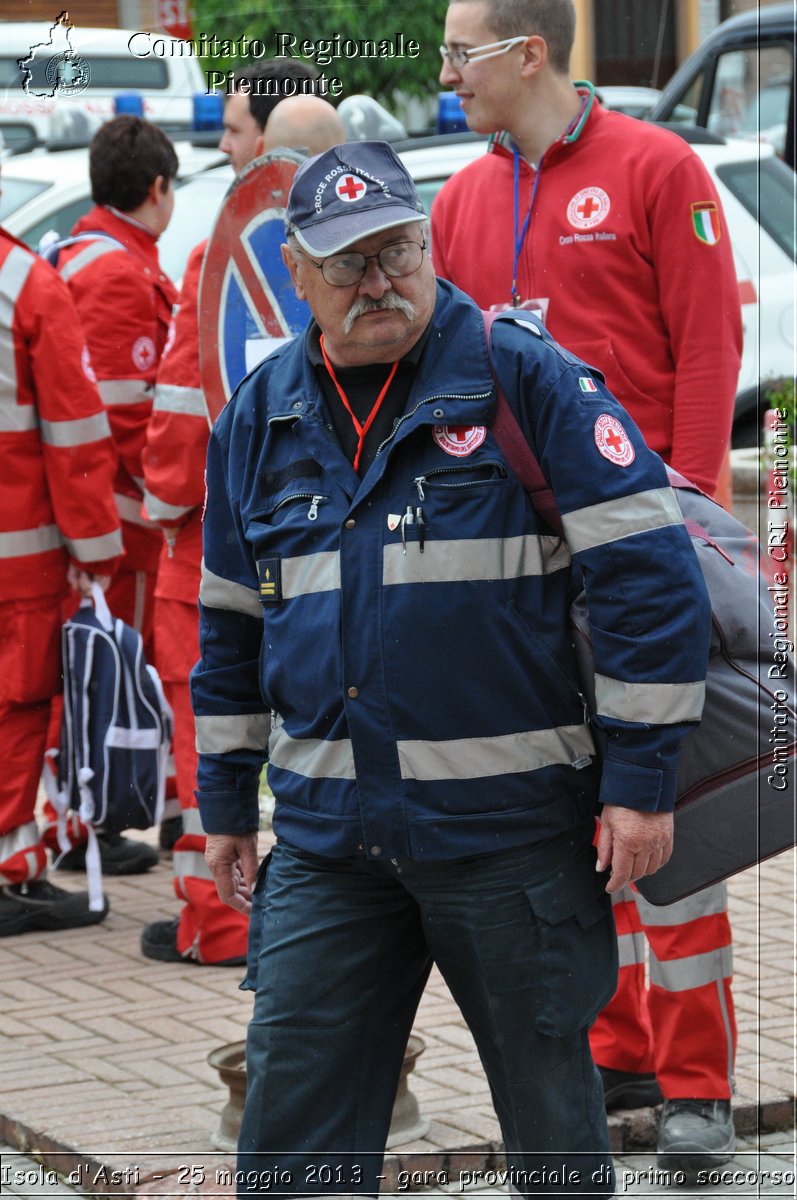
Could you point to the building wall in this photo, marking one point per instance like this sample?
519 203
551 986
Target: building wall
695 19
105 14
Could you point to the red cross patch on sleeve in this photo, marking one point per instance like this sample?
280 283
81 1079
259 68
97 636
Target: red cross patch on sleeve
613 441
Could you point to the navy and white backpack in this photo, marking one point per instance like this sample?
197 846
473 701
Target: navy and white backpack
116 731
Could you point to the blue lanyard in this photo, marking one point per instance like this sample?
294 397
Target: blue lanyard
520 234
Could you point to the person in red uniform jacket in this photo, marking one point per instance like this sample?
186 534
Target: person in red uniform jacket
124 302
58 526
206 931
612 230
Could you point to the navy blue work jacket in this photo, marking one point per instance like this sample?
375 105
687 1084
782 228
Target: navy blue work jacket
397 646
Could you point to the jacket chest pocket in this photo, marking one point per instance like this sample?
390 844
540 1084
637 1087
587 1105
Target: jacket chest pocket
296 508
461 491
290 521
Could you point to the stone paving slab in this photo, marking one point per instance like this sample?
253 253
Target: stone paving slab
103 1053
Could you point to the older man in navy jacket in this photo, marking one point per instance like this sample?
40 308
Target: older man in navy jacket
385 620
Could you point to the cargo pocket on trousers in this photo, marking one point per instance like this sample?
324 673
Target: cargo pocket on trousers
256 926
577 960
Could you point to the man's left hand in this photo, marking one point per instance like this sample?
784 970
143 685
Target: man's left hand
632 843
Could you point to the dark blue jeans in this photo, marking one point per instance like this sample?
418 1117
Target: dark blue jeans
340 951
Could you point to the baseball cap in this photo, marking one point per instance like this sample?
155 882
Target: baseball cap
347 193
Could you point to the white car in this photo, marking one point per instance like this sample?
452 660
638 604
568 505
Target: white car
44 191
757 191
35 104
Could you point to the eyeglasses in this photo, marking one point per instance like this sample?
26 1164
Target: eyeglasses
396 260
461 57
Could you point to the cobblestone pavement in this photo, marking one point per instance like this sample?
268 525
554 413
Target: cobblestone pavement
761 1167
103 1053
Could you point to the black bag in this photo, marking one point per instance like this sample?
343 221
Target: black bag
736 790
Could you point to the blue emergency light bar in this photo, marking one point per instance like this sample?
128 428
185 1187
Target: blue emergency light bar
130 104
450 117
208 111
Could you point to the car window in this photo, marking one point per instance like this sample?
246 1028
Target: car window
60 221
107 72
16 192
766 190
427 190
750 97
687 108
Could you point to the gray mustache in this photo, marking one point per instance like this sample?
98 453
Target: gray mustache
366 304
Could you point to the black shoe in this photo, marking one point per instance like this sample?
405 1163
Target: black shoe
37 904
171 830
629 1089
696 1134
118 856
159 941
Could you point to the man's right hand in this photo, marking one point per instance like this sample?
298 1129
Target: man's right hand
232 859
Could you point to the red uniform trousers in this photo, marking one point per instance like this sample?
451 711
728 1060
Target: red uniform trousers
209 929
682 1025
30 675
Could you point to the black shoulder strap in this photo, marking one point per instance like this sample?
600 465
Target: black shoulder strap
518 452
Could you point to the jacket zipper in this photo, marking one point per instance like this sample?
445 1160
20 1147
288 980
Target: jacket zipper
315 500
430 400
420 480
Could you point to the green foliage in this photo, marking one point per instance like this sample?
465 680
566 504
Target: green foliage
780 395
418 20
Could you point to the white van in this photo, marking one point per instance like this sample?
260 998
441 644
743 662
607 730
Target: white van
70 76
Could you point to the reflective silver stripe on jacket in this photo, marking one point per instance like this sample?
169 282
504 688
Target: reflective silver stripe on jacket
708 902
87 256
129 509
245 731
310 573
649 703
507 754
698 970
612 520
190 864
217 592
96 549
465 758
170 397
159 510
79 432
20 542
14 417
631 949
124 391
311 757
469 559
442 562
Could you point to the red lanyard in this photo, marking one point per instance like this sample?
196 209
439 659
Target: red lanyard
360 430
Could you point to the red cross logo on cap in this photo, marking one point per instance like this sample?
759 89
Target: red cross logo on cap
350 188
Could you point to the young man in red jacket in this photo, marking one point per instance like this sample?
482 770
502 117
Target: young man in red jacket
124 302
612 231
58 528
207 931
